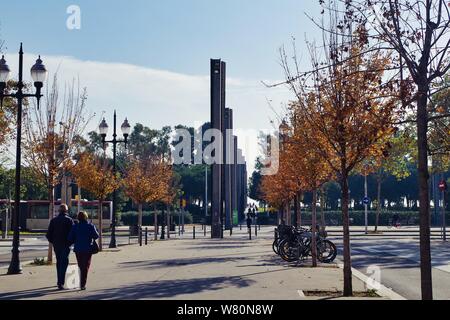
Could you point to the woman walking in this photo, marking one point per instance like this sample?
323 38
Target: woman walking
83 236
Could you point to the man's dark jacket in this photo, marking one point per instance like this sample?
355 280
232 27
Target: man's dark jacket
58 231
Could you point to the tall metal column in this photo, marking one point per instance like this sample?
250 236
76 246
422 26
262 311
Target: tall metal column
223 77
234 206
216 123
228 150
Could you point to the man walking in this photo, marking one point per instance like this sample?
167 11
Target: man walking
57 235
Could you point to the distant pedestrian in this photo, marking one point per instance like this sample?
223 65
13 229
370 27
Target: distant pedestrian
57 234
249 221
83 236
395 220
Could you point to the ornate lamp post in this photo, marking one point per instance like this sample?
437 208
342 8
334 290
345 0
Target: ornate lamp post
103 129
39 75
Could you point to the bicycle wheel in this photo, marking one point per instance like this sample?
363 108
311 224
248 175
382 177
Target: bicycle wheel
288 251
326 251
275 246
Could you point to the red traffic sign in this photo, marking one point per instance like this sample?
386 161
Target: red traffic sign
443 185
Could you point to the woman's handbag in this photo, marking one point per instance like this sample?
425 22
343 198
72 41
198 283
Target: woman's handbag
94 247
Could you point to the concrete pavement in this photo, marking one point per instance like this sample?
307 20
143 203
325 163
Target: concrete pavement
228 269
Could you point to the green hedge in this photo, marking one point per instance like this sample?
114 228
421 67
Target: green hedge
358 217
130 218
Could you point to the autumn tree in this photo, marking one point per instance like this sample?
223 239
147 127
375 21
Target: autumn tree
279 189
51 134
170 186
418 33
6 111
145 182
97 177
307 164
345 100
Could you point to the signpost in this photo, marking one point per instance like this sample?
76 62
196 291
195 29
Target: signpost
183 206
443 188
366 202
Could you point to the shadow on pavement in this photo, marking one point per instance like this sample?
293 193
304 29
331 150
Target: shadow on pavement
29 294
168 288
217 247
179 262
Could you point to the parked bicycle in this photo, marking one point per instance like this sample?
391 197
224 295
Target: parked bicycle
293 244
394 222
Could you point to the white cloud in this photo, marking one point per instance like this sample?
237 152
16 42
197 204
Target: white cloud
156 97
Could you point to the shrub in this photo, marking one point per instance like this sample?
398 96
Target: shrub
356 216
130 218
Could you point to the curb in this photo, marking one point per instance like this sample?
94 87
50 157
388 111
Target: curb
23 263
381 289
21 239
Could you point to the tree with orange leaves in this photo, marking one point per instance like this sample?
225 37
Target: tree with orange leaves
52 135
279 189
146 181
349 109
97 177
308 165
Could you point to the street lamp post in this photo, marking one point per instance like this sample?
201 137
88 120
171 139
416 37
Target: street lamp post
366 205
103 128
443 188
39 75
206 194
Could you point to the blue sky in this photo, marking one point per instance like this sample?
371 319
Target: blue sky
150 59
174 35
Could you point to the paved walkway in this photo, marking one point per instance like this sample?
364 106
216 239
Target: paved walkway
228 269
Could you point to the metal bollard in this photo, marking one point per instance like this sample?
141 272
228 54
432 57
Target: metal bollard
204 231
240 227
179 230
156 234
146 235
249 233
140 236
231 232
256 230
193 233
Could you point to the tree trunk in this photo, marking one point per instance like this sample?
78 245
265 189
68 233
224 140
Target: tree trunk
348 287
100 224
299 216
163 233
296 210
285 214
377 218
51 210
288 213
424 199
155 222
140 214
314 229
168 222
322 209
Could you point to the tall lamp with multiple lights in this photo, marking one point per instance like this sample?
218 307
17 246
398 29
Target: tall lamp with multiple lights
39 75
103 129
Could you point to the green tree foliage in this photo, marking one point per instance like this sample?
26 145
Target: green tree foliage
31 188
255 183
439 128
